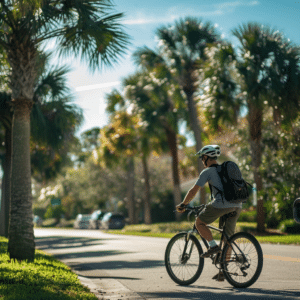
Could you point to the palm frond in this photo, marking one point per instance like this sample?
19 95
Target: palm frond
146 58
53 84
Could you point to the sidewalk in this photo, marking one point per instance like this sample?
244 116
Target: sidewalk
108 289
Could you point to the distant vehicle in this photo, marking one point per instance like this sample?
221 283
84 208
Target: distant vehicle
82 221
113 221
95 220
37 221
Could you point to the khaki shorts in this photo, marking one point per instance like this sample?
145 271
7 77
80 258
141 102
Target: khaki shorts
210 214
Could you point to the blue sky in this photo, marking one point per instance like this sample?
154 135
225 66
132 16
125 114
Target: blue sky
141 20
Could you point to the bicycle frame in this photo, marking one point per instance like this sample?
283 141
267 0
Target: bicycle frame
184 258
224 238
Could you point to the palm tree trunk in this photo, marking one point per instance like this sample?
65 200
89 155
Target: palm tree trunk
6 184
255 117
147 201
172 142
196 128
21 245
130 191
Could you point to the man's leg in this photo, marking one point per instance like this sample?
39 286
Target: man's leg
204 230
230 229
207 216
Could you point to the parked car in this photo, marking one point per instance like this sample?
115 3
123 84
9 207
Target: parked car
95 220
37 221
112 221
82 221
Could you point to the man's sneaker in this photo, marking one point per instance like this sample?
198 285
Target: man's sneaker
219 277
211 251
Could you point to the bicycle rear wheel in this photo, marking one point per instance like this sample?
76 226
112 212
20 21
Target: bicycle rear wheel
244 261
184 268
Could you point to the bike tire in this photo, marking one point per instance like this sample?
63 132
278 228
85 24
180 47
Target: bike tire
184 273
251 248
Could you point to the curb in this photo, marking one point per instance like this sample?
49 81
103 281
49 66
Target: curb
108 289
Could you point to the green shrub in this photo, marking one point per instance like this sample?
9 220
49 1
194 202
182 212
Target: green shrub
289 226
247 216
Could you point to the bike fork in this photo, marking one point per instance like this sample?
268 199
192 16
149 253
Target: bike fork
186 256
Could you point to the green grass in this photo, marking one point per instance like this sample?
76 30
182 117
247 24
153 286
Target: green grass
292 239
45 278
168 230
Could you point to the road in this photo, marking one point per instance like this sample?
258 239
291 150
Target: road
132 267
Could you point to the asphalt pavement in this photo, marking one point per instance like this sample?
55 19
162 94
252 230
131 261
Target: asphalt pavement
132 267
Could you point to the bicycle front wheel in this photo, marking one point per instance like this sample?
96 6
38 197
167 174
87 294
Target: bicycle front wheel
182 259
242 260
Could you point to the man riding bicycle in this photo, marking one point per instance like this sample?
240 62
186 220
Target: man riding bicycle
218 206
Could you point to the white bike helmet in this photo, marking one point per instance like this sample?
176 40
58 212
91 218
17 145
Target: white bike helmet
210 150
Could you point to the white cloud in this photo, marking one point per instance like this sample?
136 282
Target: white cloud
143 20
96 86
206 11
227 6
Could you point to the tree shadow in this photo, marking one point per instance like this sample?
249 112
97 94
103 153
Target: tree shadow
224 294
59 242
116 265
88 254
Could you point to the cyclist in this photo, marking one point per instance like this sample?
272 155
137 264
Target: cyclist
218 205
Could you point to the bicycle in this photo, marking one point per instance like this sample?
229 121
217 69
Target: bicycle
240 258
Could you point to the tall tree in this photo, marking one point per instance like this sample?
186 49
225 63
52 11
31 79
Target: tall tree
265 69
82 27
54 118
119 145
220 94
158 102
182 46
145 142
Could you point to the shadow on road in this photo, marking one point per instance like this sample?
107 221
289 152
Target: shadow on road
119 264
80 261
59 242
225 293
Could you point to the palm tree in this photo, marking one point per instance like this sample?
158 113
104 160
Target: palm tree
82 27
119 142
285 84
158 102
54 119
220 94
145 143
262 68
182 47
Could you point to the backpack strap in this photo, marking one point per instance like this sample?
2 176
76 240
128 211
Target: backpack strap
210 186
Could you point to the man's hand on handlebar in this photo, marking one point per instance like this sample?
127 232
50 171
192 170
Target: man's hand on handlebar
180 208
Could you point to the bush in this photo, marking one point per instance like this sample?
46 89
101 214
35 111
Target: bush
39 211
54 212
289 226
162 210
247 216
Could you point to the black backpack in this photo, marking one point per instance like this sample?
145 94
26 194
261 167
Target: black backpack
236 189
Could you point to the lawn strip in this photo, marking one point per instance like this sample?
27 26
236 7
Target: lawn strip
168 230
45 278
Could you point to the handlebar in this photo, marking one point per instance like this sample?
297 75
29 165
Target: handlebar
193 209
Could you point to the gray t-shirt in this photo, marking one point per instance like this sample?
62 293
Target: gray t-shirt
211 176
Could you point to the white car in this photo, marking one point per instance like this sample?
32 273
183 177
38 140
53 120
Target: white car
37 221
82 221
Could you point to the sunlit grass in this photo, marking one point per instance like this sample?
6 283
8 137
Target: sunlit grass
280 239
168 230
45 278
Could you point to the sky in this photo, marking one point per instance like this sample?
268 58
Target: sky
141 20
